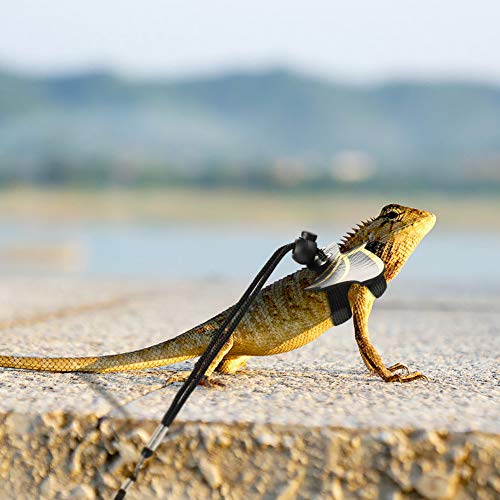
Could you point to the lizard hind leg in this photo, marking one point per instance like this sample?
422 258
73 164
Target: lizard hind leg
208 380
231 364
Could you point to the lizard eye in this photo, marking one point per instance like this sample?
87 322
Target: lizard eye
392 214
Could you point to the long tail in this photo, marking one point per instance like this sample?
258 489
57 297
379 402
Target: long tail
185 346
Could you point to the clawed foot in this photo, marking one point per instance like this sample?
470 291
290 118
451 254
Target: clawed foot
390 374
211 382
208 382
393 368
405 378
399 366
177 377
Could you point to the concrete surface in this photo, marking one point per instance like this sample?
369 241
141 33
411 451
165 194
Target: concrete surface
436 439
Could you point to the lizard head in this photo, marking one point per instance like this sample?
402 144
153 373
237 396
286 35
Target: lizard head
393 235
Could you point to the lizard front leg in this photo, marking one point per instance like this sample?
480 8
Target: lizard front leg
393 368
361 302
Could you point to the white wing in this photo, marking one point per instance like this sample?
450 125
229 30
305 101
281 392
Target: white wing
358 265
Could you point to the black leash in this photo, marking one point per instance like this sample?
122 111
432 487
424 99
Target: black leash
305 251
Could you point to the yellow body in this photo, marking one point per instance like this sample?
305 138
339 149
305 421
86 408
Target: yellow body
284 316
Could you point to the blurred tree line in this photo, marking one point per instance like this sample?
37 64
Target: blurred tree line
263 130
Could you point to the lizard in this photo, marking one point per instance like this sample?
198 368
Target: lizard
284 316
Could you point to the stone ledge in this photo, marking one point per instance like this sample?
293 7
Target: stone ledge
61 455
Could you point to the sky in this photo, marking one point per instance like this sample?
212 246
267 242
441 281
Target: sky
358 40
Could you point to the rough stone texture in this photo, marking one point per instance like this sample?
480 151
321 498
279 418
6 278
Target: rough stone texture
306 424
59 455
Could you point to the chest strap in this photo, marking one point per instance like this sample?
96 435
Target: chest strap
338 297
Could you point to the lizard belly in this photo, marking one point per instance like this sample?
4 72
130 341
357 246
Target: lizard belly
291 343
276 342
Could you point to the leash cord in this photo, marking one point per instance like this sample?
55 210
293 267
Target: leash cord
222 335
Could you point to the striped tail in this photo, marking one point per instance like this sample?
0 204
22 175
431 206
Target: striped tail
185 346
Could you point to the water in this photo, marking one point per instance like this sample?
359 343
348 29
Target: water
152 251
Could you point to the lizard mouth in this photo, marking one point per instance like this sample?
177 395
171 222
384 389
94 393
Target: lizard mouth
420 226
428 220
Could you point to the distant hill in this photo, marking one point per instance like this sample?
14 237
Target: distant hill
245 121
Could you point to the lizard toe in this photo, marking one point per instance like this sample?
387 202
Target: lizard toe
176 377
211 382
406 378
397 367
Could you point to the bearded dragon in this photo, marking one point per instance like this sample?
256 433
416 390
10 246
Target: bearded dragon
285 316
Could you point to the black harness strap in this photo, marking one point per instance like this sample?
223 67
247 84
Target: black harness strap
340 309
338 297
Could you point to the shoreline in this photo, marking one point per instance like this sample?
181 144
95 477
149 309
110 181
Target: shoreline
221 207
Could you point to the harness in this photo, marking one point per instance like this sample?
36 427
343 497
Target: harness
341 270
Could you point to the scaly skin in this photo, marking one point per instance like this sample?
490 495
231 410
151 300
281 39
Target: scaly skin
283 317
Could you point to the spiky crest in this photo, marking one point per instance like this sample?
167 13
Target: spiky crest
356 236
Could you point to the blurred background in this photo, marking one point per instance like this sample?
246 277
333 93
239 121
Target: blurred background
174 140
